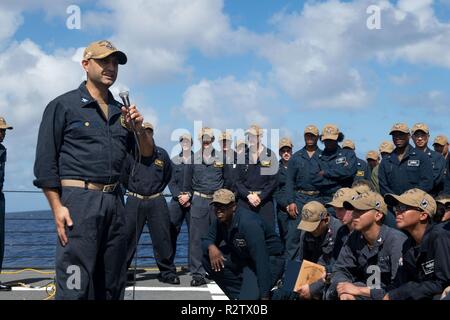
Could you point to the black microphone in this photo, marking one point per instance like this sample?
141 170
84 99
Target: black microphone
125 96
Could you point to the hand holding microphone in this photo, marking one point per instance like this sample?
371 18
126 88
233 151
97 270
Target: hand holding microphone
131 114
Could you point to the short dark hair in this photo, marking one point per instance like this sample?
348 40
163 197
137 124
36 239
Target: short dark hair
363 182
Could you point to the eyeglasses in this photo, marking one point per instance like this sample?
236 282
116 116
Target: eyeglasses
403 208
420 135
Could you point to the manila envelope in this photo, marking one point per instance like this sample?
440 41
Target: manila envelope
309 273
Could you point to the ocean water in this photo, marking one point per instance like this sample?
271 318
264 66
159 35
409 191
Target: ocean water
30 241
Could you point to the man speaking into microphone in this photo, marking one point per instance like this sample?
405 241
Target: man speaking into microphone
83 140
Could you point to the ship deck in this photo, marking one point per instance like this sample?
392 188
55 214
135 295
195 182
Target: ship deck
31 284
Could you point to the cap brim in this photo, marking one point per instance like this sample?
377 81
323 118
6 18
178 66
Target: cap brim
285 145
396 130
121 57
439 143
336 204
393 200
308 226
313 133
6 127
330 137
424 131
351 205
213 202
444 201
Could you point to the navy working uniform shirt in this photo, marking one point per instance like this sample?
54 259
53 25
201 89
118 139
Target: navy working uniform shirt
251 243
76 143
206 176
438 165
339 167
299 175
362 170
447 176
280 193
425 269
356 258
230 161
2 165
341 238
414 171
259 176
150 176
178 167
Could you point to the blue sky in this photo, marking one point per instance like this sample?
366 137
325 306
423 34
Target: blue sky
283 64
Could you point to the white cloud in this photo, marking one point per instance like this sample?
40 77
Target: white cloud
228 103
319 56
10 20
30 79
402 79
158 35
433 102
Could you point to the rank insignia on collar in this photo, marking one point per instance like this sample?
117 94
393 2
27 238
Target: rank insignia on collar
159 163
